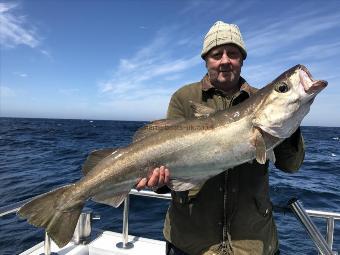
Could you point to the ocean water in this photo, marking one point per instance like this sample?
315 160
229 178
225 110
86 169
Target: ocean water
37 155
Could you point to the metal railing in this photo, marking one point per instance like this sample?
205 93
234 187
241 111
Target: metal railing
324 247
125 244
13 208
330 219
297 208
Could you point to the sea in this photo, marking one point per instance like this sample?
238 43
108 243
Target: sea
37 155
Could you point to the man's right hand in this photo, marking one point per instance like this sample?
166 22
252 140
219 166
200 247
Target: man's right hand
159 177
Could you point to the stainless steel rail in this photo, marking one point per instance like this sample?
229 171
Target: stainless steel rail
311 229
125 244
13 208
148 193
330 218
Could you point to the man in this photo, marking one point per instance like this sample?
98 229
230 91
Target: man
231 213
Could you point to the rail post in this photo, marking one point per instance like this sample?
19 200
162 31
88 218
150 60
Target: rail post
125 244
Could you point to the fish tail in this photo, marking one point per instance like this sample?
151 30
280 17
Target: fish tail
56 212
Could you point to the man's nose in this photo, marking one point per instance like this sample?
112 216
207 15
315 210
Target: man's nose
225 59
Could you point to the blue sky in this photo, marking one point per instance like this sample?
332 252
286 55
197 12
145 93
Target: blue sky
122 60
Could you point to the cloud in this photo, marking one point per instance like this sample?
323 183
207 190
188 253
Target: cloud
149 71
14 29
316 51
47 54
259 75
22 75
213 8
192 7
288 31
6 92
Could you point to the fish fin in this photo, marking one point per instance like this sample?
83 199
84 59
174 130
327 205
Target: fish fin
260 146
47 211
184 185
94 157
201 111
114 201
271 156
154 127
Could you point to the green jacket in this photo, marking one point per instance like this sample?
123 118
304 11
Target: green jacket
232 212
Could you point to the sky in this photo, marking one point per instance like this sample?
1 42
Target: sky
122 60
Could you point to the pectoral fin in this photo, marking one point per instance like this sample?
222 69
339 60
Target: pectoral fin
271 156
260 146
186 184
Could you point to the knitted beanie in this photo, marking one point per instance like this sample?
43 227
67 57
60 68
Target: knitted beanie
222 33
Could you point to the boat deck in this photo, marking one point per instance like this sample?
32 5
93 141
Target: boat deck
104 244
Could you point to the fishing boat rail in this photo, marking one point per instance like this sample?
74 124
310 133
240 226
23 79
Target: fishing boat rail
324 246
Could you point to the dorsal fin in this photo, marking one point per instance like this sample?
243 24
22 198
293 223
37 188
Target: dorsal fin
154 127
201 111
95 156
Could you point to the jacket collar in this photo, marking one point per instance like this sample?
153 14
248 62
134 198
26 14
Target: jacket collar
244 87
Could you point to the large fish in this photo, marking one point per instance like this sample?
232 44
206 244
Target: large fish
194 150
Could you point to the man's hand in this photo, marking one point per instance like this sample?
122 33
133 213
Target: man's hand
158 178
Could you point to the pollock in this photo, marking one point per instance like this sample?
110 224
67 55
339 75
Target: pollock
193 149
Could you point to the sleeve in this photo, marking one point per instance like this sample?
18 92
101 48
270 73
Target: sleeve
175 111
175 108
290 153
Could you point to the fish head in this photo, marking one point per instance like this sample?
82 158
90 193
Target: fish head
286 101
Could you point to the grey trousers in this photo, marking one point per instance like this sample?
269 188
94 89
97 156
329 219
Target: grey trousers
172 250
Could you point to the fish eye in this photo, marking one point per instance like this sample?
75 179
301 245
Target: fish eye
281 87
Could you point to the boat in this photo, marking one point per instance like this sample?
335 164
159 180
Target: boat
90 241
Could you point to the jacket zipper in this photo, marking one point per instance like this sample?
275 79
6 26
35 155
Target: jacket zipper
226 248
225 197
226 244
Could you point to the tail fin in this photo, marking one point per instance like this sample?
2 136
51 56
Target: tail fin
49 211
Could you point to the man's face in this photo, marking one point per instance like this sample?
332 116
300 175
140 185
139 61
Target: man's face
224 66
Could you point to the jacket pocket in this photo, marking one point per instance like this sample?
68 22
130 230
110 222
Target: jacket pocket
185 197
264 206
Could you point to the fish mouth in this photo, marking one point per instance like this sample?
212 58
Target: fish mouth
310 85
